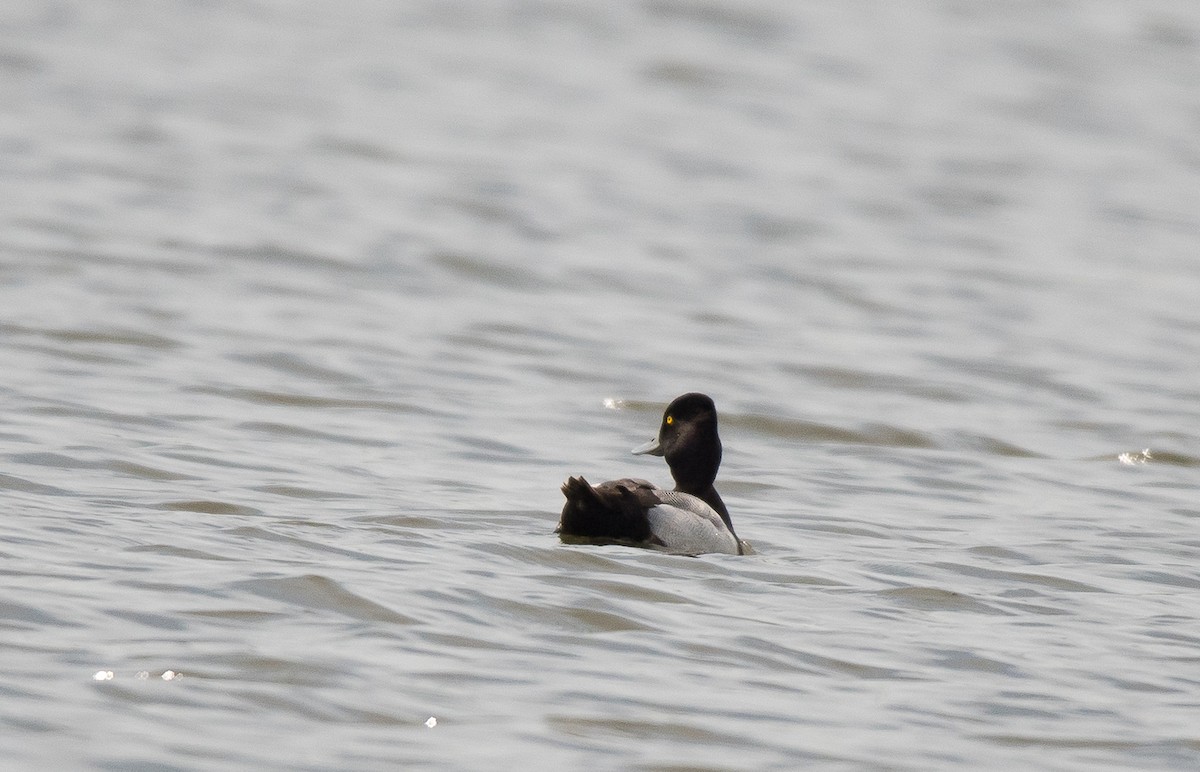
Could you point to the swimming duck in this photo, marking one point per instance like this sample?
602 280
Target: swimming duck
689 520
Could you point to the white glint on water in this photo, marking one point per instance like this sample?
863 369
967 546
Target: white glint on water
1133 459
431 722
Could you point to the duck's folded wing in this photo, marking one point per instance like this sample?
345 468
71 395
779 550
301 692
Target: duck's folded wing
611 510
685 524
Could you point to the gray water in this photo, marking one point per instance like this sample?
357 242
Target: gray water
307 310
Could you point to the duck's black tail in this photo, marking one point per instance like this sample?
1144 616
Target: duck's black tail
611 510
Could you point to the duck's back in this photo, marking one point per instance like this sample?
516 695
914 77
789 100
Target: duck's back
614 510
638 512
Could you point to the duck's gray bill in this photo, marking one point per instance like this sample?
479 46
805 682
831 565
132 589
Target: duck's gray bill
651 448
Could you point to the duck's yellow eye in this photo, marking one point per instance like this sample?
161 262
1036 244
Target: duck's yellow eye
670 420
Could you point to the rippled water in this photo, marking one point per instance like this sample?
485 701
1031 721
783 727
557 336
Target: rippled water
307 309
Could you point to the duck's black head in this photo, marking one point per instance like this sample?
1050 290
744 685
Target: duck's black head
688 439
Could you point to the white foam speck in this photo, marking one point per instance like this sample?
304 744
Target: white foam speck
1135 458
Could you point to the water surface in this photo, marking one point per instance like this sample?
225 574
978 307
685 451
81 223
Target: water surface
306 312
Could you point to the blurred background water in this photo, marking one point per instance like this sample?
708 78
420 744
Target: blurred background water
307 309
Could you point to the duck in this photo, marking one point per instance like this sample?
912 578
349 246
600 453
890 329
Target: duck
690 520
